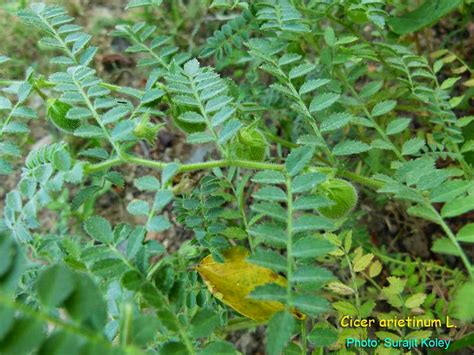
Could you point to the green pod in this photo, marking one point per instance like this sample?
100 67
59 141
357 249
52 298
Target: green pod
146 130
57 112
251 145
342 193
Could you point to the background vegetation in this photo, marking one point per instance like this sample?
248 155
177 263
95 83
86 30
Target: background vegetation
215 177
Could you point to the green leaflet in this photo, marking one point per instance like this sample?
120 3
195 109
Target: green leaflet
291 109
428 13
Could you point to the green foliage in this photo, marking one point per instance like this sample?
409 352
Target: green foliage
230 36
423 16
305 107
20 91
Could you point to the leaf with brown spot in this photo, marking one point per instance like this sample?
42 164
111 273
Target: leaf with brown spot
232 281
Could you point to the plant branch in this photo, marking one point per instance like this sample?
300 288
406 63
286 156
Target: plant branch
225 163
453 239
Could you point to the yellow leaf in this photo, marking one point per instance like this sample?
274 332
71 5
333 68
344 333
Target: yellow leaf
454 101
419 334
232 281
415 300
361 263
396 286
449 59
469 83
375 269
440 53
459 70
340 288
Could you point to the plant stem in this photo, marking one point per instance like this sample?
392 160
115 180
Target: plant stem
204 114
96 116
354 283
453 240
310 119
304 343
280 140
289 242
126 325
371 280
8 119
376 126
361 179
240 324
388 258
246 164
426 204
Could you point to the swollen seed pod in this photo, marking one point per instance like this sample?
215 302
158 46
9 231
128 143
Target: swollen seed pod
146 130
251 144
57 113
342 193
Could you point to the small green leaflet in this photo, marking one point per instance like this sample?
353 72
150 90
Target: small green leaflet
329 36
458 206
298 159
383 107
429 12
305 182
322 336
169 172
99 229
269 259
397 126
229 130
311 304
200 138
158 224
323 101
301 70
138 207
466 233
308 223
269 177
162 198
147 183
270 209
335 121
54 285
270 234
312 85
350 147
269 292
311 247
289 58
192 117
312 274
444 246
279 331
270 193
413 146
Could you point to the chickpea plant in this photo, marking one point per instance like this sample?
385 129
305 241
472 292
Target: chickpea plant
317 116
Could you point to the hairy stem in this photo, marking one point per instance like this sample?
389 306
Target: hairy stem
289 241
453 239
225 163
